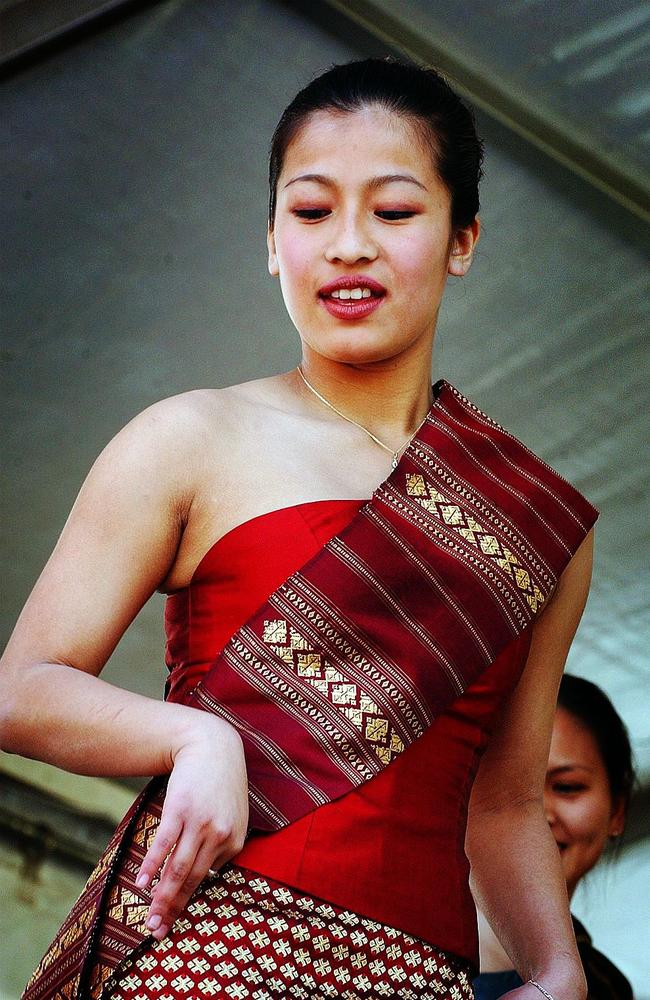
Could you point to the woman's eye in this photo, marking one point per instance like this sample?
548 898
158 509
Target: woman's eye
388 215
311 214
391 215
566 788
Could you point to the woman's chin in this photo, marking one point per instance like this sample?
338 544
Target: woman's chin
358 348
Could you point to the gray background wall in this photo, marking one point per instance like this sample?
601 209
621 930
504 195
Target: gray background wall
136 203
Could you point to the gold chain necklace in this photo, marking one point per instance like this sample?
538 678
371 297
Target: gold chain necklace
394 454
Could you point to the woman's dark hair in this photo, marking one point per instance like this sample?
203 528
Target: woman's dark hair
422 96
591 706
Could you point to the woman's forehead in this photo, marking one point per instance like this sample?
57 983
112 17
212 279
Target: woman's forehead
573 741
373 138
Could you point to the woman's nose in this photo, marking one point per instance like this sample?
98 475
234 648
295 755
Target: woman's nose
351 242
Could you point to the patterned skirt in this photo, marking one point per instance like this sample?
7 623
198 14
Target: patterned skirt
247 937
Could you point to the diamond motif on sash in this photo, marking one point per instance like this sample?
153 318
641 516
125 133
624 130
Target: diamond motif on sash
463 524
127 907
343 694
275 630
145 832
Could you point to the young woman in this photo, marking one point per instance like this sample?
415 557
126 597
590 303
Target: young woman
589 780
395 582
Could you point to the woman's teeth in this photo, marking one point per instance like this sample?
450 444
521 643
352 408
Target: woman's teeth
351 293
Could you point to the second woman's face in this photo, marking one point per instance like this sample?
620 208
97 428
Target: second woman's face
362 238
577 798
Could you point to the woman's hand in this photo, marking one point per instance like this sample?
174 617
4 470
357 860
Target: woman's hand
204 819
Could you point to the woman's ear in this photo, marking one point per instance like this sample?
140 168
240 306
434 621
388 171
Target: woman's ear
462 248
273 257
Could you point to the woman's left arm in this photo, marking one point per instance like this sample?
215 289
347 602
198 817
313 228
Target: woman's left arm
517 876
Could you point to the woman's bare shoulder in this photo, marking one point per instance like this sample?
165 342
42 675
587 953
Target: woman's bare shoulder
178 424
172 441
204 409
185 412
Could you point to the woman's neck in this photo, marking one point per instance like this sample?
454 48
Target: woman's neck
389 401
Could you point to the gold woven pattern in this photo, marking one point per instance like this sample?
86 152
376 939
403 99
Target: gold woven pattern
343 693
248 937
463 524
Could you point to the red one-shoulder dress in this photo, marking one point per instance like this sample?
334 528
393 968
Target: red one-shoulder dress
367 896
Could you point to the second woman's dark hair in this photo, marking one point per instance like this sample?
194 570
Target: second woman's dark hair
422 96
591 706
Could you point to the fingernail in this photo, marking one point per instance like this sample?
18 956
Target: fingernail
142 880
161 932
154 922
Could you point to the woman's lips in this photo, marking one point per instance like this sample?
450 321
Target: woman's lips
351 308
352 297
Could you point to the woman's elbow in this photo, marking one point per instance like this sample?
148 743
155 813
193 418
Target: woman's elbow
15 711
8 711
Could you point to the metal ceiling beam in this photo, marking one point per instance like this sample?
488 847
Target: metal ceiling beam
512 108
31 28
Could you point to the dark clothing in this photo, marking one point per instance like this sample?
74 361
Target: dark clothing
604 980
492 985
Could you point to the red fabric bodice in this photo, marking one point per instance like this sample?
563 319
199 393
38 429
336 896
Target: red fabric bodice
392 849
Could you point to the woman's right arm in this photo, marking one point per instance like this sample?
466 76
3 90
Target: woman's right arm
115 550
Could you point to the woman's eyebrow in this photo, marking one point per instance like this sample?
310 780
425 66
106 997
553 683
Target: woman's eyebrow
392 179
372 184
569 767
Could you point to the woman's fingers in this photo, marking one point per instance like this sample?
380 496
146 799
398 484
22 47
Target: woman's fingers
166 836
188 849
179 879
203 822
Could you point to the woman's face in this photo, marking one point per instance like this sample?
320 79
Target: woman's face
577 798
362 238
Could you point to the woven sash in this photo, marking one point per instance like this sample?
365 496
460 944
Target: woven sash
351 659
